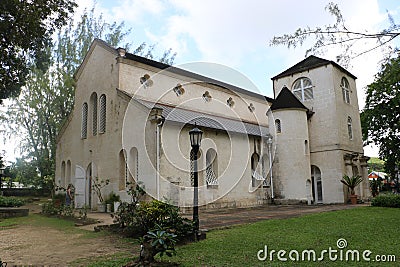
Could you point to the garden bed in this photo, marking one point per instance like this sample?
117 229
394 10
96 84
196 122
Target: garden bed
13 212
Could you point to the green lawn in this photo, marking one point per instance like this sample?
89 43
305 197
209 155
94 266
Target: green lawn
364 228
66 226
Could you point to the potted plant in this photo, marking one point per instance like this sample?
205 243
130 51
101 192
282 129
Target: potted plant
97 186
112 202
351 183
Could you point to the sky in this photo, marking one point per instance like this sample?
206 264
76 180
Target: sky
237 33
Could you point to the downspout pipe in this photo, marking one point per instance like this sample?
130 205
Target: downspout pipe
160 123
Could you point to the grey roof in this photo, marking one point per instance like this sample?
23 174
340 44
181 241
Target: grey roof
198 77
310 62
184 116
179 71
287 100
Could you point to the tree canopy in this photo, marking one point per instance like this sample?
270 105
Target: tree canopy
380 118
340 35
47 98
25 31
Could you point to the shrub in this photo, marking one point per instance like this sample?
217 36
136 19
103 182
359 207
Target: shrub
11 202
52 208
138 218
157 242
160 215
386 200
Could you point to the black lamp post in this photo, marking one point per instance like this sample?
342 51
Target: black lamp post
396 170
1 181
195 141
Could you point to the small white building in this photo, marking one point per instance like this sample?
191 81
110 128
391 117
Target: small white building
132 117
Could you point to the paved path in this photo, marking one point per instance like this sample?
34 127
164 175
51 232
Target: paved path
225 218
222 218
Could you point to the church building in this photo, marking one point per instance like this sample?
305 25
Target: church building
132 116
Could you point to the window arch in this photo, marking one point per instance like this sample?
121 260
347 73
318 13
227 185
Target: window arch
93 103
103 113
345 90
278 126
255 158
123 170
84 120
350 128
211 167
68 173
303 89
62 181
133 165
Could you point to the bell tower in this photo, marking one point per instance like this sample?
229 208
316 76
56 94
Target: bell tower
329 93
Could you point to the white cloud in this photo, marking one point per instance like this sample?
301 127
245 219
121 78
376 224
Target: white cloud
136 11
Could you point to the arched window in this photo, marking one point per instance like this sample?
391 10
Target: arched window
62 182
302 88
133 165
345 90
278 126
350 128
103 110
123 170
255 158
211 167
93 103
68 173
84 120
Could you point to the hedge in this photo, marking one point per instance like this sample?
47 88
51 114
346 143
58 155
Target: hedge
387 200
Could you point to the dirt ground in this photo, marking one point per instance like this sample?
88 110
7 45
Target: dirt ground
44 246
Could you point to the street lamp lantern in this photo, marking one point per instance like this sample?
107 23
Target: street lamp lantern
195 141
195 137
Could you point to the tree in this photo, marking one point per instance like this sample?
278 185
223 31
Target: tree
380 118
48 96
25 31
339 35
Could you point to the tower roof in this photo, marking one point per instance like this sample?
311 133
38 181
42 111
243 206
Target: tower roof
287 100
311 62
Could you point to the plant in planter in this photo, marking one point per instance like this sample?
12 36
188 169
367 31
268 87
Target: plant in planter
97 186
113 202
351 183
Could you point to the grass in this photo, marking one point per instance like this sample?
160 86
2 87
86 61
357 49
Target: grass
363 228
37 220
118 259
372 228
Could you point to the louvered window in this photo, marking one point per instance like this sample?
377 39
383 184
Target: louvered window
103 114
94 113
84 120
